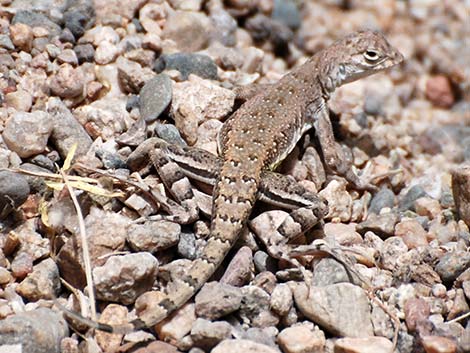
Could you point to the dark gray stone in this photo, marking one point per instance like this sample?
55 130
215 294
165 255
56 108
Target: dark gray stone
452 264
79 15
67 130
37 331
14 190
36 19
111 160
384 198
155 97
407 201
170 134
84 52
287 12
188 63
5 42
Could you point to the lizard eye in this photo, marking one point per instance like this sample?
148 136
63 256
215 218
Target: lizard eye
371 55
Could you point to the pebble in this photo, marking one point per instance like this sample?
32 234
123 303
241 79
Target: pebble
79 16
329 271
287 12
35 331
36 19
188 63
66 131
179 23
197 100
414 193
452 264
439 91
20 100
178 325
341 309
391 250
154 97
123 278
114 315
106 53
240 269
132 76
84 52
14 190
460 306
426 206
242 346
385 198
206 334
42 283
363 345
5 42
67 82
281 300
460 190
417 311
412 233
437 344
153 236
255 307
216 300
68 56
170 134
22 36
301 338
22 265
383 224
27 133
339 201
98 224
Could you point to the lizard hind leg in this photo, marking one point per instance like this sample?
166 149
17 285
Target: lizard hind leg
178 185
307 210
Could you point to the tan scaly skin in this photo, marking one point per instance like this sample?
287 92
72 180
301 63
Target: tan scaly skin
252 142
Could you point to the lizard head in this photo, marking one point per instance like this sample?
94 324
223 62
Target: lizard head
358 55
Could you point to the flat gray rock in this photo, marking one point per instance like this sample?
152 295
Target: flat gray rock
342 309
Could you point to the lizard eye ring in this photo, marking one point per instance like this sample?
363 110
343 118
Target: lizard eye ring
371 55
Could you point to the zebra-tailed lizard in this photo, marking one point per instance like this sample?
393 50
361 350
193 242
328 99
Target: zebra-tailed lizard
252 142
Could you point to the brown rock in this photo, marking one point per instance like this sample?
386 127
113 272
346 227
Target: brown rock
158 347
412 233
113 314
461 191
27 133
39 330
363 345
439 91
42 283
179 23
301 339
242 346
342 308
240 269
123 278
426 206
68 82
416 311
22 36
437 344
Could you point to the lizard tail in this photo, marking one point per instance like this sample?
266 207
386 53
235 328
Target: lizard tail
233 198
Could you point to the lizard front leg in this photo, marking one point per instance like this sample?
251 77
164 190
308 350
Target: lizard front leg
333 153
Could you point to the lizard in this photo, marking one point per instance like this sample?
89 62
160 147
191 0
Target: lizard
253 141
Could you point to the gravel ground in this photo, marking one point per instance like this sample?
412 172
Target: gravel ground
112 77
